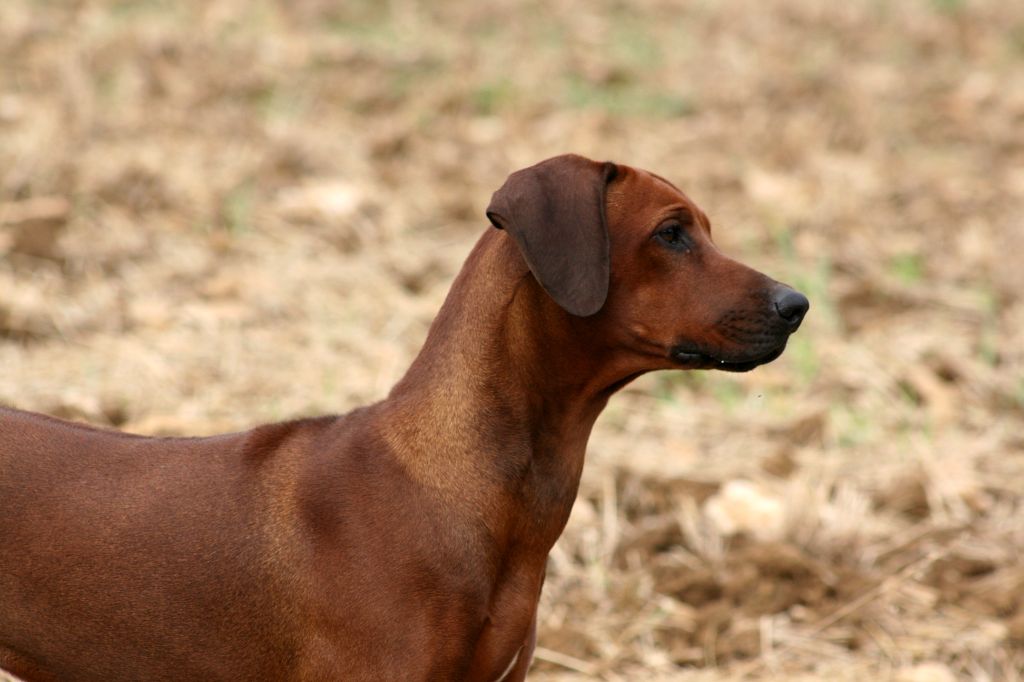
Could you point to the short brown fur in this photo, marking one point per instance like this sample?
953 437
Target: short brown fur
406 540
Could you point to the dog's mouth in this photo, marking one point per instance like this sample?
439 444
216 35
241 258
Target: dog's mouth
697 359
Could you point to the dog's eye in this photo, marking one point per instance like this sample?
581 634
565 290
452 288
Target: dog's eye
673 236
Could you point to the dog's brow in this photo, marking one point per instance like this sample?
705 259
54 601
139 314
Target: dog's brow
676 210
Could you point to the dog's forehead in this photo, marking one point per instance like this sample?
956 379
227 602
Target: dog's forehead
643 193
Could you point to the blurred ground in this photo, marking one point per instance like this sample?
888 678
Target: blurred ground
218 213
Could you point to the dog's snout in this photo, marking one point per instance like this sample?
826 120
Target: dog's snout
791 306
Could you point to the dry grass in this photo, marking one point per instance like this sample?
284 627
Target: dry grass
219 213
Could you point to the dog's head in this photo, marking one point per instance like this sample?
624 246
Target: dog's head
628 250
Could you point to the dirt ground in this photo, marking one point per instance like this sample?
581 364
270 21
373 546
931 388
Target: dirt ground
219 213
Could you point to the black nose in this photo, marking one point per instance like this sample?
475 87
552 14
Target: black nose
791 305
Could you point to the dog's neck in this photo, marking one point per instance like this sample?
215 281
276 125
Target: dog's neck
514 384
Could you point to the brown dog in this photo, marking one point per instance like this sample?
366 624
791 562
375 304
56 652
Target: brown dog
406 540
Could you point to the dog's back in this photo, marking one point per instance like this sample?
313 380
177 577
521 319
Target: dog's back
74 498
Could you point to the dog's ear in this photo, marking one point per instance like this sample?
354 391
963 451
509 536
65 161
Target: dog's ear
555 213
